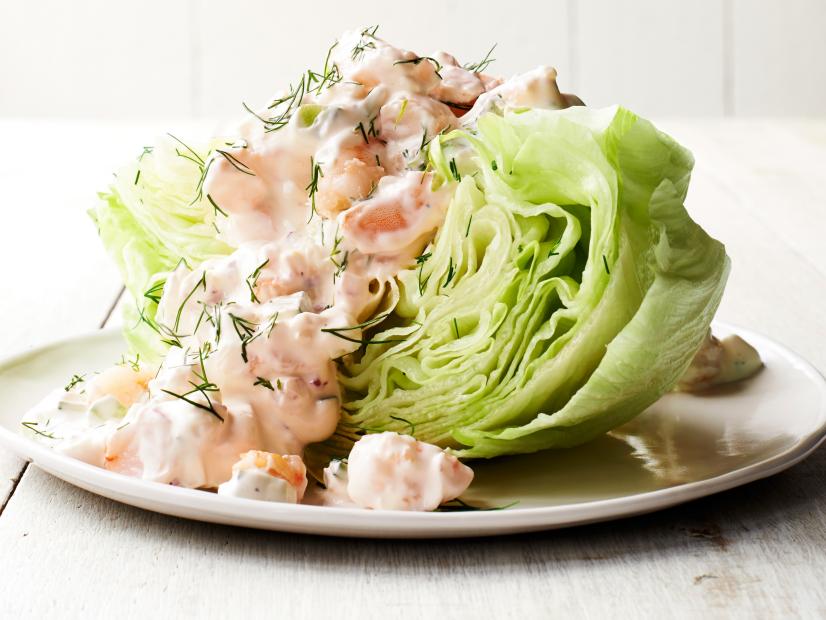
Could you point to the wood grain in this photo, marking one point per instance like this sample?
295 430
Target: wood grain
753 552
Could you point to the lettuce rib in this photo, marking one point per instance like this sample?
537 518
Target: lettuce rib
567 290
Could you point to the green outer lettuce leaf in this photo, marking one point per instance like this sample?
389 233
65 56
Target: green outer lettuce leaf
573 298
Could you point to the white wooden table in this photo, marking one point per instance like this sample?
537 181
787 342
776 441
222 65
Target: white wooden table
758 551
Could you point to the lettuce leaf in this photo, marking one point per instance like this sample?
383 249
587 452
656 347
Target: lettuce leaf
567 290
152 217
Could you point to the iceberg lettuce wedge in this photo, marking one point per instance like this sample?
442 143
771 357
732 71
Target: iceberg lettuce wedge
567 290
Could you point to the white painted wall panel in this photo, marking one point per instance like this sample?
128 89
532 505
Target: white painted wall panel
779 57
657 57
94 58
172 59
251 49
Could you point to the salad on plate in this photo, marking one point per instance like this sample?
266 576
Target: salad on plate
399 264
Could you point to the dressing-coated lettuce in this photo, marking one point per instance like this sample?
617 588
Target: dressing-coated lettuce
149 219
567 290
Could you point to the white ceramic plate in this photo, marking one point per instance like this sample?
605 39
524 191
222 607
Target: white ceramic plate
681 448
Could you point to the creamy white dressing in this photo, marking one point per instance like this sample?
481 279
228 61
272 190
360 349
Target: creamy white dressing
325 206
719 362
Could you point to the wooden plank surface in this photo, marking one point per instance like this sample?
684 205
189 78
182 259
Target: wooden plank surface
753 552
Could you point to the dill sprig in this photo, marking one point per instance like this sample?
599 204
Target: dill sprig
454 170
134 364
340 265
271 324
215 206
192 156
329 76
478 67
168 336
360 129
605 263
458 505
420 261
292 100
31 427
451 271
371 129
408 422
264 382
252 281
312 188
456 328
364 43
437 66
246 331
204 388
155 292
467 230
336 331
74 381
235 162
200 283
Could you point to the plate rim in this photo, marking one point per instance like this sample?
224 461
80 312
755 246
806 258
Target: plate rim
199 505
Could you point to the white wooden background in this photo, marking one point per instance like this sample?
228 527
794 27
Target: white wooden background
201 58
753 552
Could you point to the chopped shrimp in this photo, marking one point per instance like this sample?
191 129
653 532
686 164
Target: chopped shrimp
388 471
268 477
124 383
407 122
352 176
296 266
458 88
489 81
402 211
534 89
371 62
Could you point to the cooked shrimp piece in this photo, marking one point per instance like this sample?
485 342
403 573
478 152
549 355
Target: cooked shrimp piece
402 211
125 383
388 471
407 122
458 88
352 176
534 89
370 61
267 476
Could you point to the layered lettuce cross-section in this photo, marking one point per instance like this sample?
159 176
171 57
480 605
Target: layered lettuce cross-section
567 290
